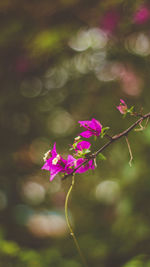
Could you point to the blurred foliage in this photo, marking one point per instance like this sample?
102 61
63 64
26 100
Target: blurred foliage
12 255
64 61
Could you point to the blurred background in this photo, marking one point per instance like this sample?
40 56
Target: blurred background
62 61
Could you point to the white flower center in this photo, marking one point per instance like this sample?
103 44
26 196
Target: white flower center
77 138
55 160
46 155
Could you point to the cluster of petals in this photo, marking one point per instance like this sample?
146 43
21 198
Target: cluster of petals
122 107
92 127
86 167
81 146
54 163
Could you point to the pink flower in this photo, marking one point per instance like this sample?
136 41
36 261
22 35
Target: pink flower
142 15
122 107
93 128
86 167
55 163
83 145
82 148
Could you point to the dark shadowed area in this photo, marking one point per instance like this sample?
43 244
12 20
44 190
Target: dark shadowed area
61 62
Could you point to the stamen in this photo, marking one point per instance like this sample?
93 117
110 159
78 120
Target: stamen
77 138
46 155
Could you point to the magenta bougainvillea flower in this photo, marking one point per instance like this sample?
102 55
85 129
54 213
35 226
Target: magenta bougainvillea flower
55 163
82 149
122 107
86 167
83 145
142 15
93 128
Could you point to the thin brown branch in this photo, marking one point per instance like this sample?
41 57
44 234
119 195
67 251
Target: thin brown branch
142 128
112 140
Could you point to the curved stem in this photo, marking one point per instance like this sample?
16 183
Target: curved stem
69 225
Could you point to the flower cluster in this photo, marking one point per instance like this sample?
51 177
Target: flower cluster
55 163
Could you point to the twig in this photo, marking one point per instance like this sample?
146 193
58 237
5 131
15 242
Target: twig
130 151
141 126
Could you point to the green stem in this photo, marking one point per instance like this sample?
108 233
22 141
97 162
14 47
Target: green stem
69 225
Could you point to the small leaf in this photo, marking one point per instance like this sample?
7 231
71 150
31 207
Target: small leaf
86 151
76 142
95 137
101 156
130 110
104 130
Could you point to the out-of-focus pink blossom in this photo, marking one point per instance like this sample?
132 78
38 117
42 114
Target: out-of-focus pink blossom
93 128
142 15
122 107
131 82
110 21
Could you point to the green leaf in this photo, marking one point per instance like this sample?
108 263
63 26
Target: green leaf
130 110
86 151
101 156
104 130
76 142
95 137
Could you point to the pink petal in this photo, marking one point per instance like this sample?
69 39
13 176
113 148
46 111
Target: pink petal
85 167
97 125
120 109
91 164
47 165
53 151
86 134
83 145
52 175
122 101
70 161
84 123
54 171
